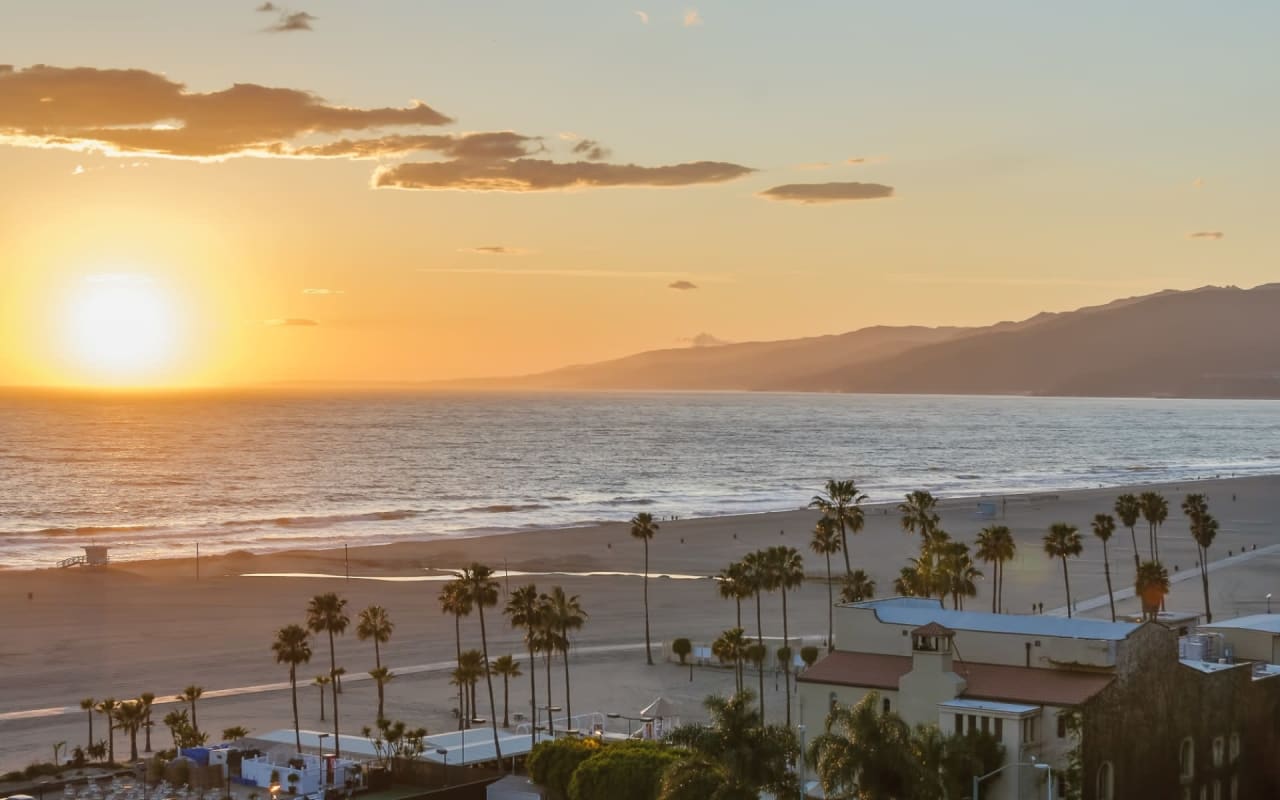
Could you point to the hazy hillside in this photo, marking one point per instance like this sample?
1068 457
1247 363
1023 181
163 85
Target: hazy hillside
1210 342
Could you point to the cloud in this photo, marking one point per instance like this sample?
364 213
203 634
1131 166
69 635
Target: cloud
291 322
491 145
494 250
536 175
324 291
834 192
135 111
853 162
267 7
1215 235
682 285
644 17
292 21
692 18
704 340
552 273
591 150
812 165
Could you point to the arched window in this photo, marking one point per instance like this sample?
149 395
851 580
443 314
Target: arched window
886 705
1235 747
1187 758
1219 750
831 702
1106 782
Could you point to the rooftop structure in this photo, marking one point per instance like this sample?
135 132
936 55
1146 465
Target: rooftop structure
918 611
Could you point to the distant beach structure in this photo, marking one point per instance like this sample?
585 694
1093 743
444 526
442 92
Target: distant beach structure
95 555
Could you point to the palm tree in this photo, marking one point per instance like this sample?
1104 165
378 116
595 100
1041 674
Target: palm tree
1061 541
857 587
148 700
732 757
824 543
732 585
731 648
919 514
87 705
1151 584
454 600
189 696
958 576
179 724
1204 529
787 572
234 734
107 708
1128 509
1103 526
759 578
321 681
864 753
327 613
293 647
564 614
482 589
522 610
643 528
841 503
129 716
548 641
508 668
1155 510
472 669
909 583
376 624
996 546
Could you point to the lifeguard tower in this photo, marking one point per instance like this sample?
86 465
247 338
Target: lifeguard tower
95 555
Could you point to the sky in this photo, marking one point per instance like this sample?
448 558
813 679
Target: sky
329 191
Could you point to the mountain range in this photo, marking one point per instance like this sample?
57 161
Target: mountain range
1207 342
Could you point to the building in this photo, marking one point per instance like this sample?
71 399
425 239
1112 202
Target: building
1253 638
1150 724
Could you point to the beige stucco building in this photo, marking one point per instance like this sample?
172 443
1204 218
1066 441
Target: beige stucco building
1253 638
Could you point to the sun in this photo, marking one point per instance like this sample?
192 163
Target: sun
121 328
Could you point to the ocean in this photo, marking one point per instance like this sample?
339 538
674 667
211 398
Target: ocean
153 475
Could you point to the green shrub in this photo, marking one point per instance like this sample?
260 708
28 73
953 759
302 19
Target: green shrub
809 655
551 764
682 648
630 770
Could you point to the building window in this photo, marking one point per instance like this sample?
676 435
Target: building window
831 702
986 724
1030 730
959 724
1235 788
1204 792
1219 749
1235 747
1187 758
973 723
1106 782
999 728
886 705
1062 725
1217 790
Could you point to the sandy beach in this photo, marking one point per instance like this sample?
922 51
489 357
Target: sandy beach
151 626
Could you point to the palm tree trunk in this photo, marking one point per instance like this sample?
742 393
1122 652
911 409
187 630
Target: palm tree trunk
147 726
1067 580
1204 580
533 697
133 744
786 668
90 728
738 602
831 602
333 685
760 642
844 548
648 654
506 702
1106 567
380 696
1155 539
551 715
1137 562
488 679
457 645
195 726
995 586
293 685
568 698
111 740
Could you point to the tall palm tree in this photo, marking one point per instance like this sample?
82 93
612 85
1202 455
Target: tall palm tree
824 543
1151 584
732 585
88 704
455 600
909 583
375 623
643 528
787 569
731 648
381 677
548 641
1128 509
327 613
148 700
857 587
758 576
1103 526
472 669
1204 529
564 614
189 696
1061 541
996 546
841 503
864 751
522 611
508 668
128 717
958 576
322 681
482 589
107 708
293 647
732 757
1155 510
919 514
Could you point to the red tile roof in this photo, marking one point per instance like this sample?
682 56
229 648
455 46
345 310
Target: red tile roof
1000 682
933 629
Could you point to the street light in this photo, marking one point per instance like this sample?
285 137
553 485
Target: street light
1268 602
801 729
977 779
616 715
551 723
324 768
443 752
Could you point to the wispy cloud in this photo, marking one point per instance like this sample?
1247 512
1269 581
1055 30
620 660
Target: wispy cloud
553 273
537 175
291 322
643 15
833 192
856 160
324 291
692 18
1206 235
591 150
494 250
291 21
682 285
267 7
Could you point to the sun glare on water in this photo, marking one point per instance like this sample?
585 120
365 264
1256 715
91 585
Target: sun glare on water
121 328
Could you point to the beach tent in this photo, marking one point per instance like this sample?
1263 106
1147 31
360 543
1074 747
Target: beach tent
662 708
665 716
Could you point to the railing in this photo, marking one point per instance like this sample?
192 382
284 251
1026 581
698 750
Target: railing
74 561
582 722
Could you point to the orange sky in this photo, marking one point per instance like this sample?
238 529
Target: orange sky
993 175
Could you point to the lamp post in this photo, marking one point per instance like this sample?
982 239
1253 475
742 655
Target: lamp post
551 723
977 779
1268 602
616 715
324 768
445 753
802 729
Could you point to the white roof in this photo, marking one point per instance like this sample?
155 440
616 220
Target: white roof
917 611
1267 623
352 746
987 705
475 746
1207 666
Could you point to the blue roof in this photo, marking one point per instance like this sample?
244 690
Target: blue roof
1267 623
917 611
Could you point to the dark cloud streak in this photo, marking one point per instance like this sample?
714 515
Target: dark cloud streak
833 192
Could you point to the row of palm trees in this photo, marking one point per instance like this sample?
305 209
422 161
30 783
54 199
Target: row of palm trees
134 716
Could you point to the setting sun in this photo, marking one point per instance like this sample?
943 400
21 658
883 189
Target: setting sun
121 327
